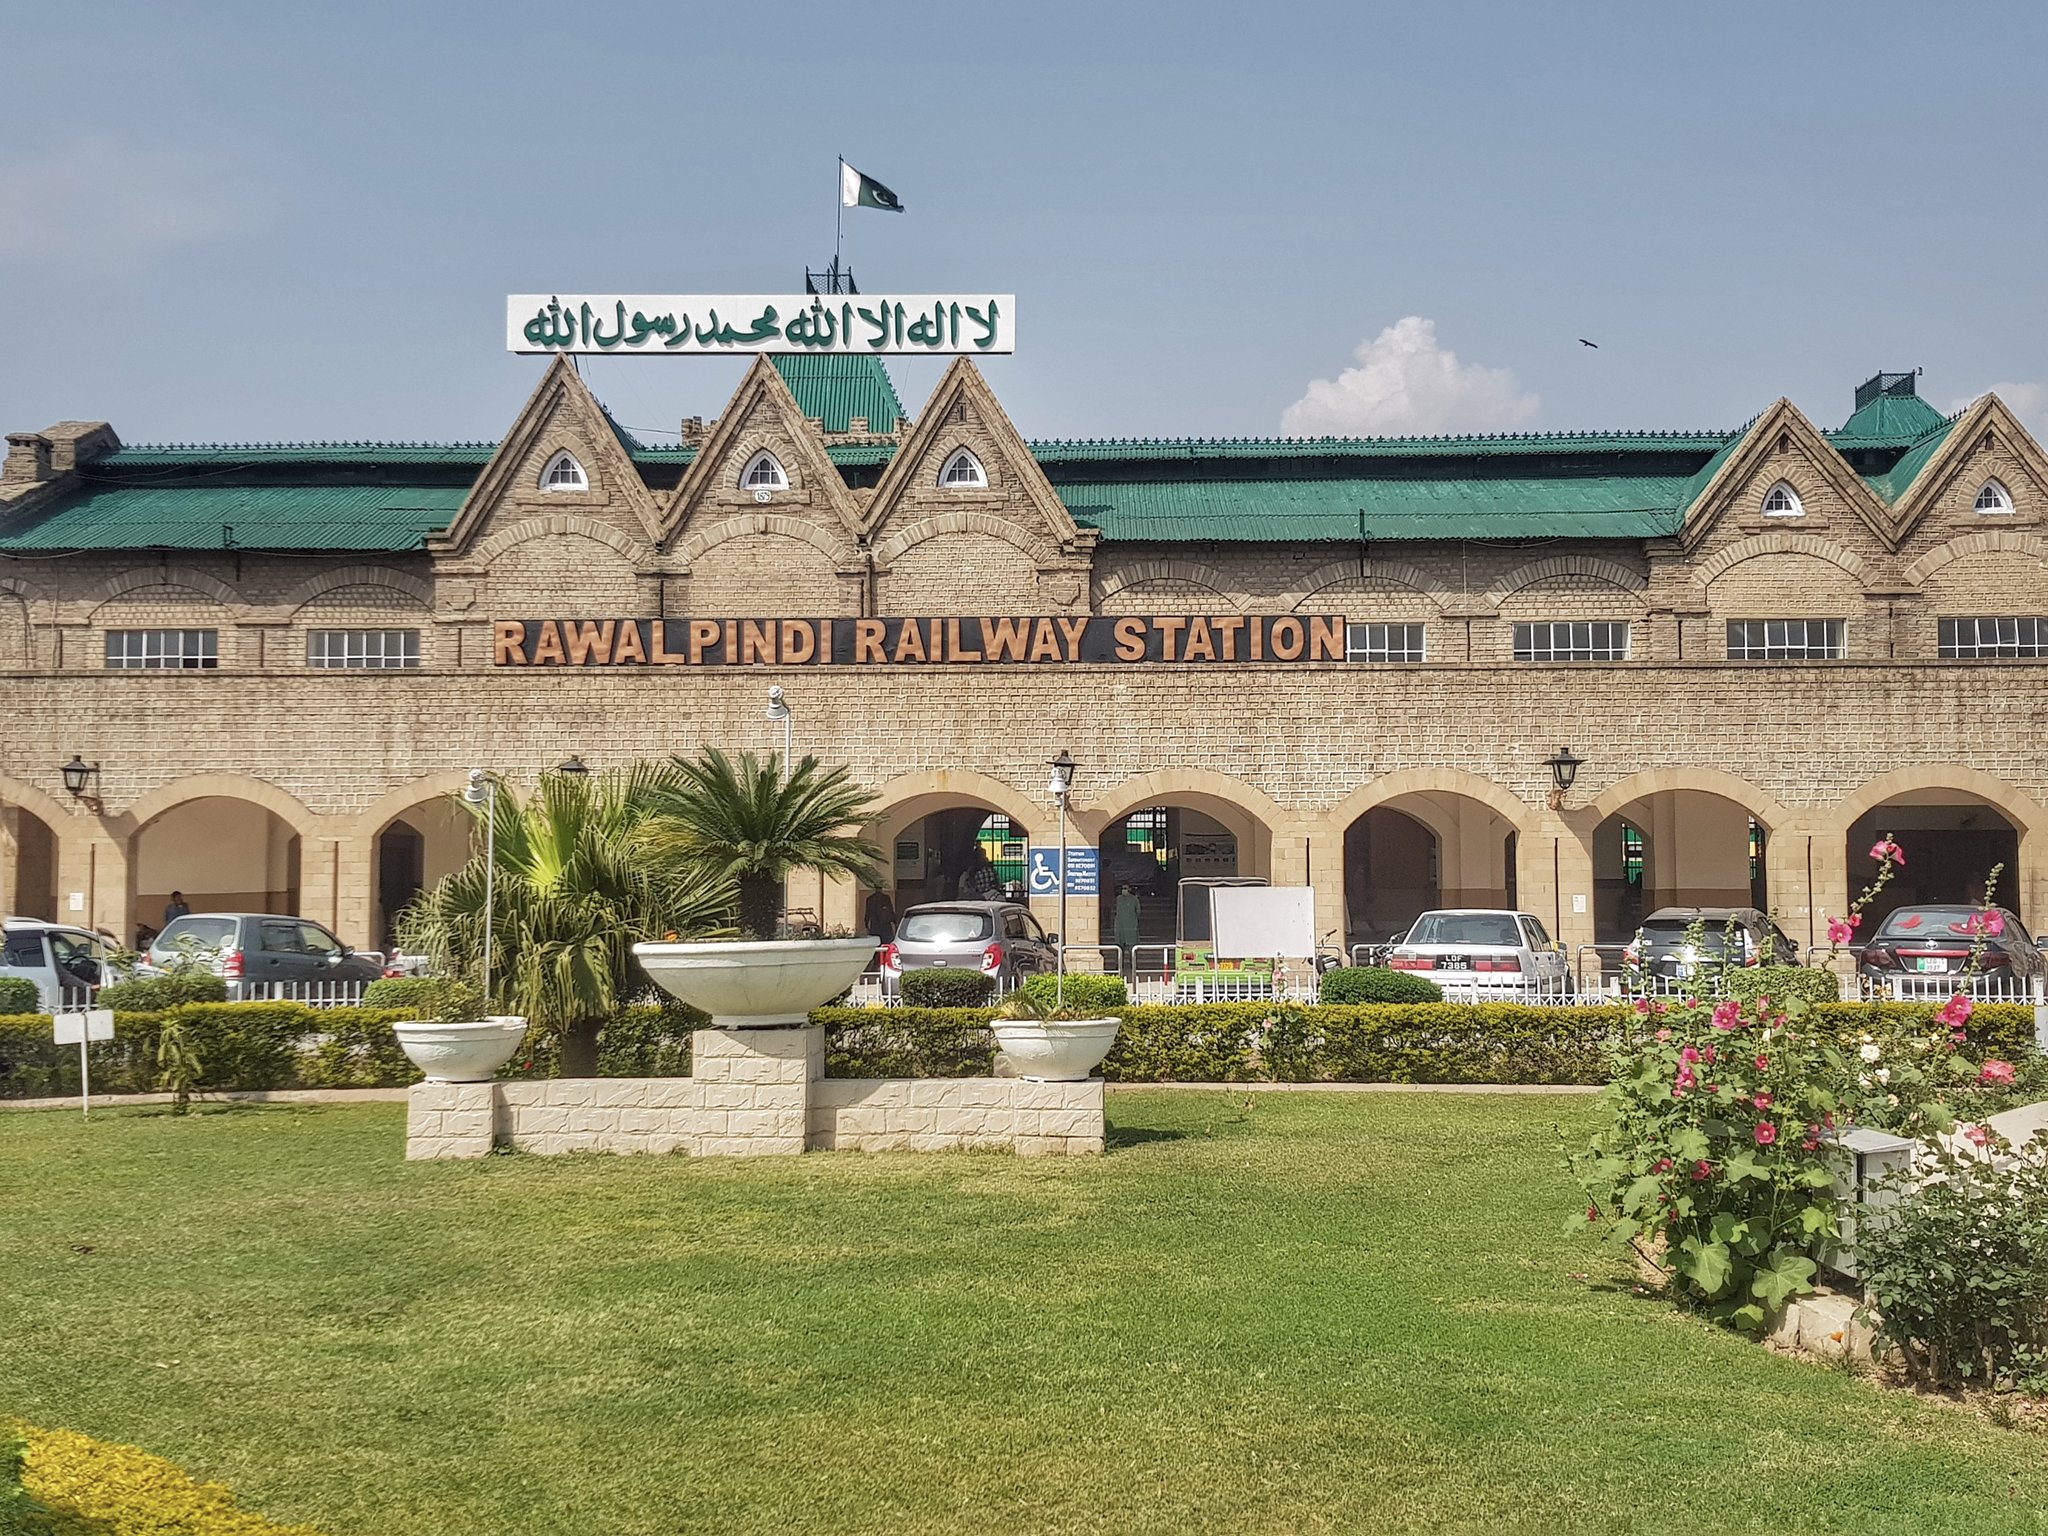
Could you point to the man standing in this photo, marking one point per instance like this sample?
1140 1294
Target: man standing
175 907
1126 926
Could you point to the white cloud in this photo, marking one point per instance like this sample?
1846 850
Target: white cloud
2029 402
105 203
1407 384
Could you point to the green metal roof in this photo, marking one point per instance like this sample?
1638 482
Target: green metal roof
265 517
1893 483
1888 419
836 387
214 457
1346 510
1540 444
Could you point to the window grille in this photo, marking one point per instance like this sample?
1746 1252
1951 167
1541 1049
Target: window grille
1785 639
1975 639
1572 640
163 649
372 649
963 471
1994 498
764 473
1783 501
1383 642
564 474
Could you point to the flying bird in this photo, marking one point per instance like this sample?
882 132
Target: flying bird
1593 344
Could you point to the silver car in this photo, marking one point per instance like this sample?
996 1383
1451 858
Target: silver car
67 964
998 938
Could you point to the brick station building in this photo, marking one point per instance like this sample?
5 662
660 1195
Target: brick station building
1336 663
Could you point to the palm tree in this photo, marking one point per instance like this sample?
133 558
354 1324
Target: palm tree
571 896
745 823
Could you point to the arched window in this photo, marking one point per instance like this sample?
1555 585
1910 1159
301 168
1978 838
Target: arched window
564 474
1994 498
963 471
1782 501
764 472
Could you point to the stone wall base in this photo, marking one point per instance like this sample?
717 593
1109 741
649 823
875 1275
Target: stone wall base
754 1093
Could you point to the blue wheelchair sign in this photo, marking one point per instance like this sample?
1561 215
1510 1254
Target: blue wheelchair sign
1083 868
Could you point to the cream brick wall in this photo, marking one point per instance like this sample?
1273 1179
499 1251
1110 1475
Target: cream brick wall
966 573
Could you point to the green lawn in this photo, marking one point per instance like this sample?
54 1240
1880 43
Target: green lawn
1270 1313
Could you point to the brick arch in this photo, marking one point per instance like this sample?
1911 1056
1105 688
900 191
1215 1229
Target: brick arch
982 456
47 808
755 440
2025 812
960 520
631 550
418 588
227 786
1784 543
1173 570
394 803
838 551
1712 781
33 598
960 786
130 581
1398 571
1610 571
1986 541
1169 784
1511 808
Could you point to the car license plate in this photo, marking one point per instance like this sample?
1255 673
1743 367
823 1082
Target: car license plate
1937 964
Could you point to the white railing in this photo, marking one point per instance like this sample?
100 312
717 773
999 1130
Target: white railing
1931 987
314 994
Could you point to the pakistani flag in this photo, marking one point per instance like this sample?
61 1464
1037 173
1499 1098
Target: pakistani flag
858 191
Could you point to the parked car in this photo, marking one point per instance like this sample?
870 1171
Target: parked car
1729 936
1936 941
251 951
66 963
999 938
1483 949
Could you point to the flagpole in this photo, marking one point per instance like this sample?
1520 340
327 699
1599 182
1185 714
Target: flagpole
838 212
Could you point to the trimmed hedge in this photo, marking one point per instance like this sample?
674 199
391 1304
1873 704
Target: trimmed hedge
907 1042
1781 983
77 1486
1086 992
425 997
153 994
19 995
939 986
1377 984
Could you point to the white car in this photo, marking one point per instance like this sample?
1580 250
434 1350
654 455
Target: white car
1504 954
67 964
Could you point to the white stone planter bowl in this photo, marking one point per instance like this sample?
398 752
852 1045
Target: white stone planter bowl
1055 1050
466 1052
766 984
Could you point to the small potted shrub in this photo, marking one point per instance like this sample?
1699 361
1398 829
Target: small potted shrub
455 1041
748 823
942 986
1046 1044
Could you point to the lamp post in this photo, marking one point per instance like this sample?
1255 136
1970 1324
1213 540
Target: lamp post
1061 787
77 774
778 709
482 791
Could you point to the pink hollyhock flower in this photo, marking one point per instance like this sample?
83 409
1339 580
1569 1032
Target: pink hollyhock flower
1762 1101
1686 1081
1842 929
1642 1005
1728 1016
1710 1053
1980 1134
1999 1072
1663 1165
1812 1139
1763 1063
1592 1213
1689 1053
1702 1171
1765 1133
1994 923
1955 1013
1884 848
1663 1034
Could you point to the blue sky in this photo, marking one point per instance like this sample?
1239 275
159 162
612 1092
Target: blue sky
265 221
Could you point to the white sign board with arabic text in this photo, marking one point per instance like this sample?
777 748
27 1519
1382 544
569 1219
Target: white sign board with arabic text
676 325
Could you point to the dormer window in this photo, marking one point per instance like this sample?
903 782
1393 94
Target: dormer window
963 472
1994 498
564 474
764 472
1782 501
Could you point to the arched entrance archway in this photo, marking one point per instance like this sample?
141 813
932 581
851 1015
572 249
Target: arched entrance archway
1953 842
1424 849
1182 836
1676 848
220 853
28 864
413 852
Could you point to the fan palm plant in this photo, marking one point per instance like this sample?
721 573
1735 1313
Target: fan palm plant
571 896
743 822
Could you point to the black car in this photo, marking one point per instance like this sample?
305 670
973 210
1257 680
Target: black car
1937 941
1728 936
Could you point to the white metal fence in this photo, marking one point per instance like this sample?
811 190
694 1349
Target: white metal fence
314 994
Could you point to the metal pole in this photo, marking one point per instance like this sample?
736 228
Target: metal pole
838 217
788 721
1059 986
490 879
85 1072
